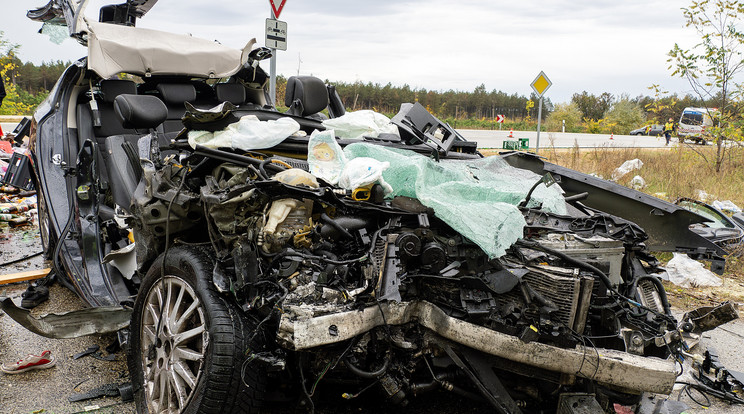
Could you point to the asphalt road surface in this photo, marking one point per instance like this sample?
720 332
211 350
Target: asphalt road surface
495 139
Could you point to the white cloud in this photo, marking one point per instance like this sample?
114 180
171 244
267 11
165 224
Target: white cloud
598 46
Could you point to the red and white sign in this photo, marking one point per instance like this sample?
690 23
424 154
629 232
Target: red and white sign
277 6
500 119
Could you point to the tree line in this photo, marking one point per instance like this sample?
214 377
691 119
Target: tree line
477 104
29 84
32 78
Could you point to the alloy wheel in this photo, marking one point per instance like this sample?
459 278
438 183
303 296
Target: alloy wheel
174 341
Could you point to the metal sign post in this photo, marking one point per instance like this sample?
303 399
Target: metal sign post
500 120
539 119
272 69
540 85
276 8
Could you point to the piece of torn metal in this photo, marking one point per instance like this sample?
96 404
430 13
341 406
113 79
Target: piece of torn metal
124 260
621 369
707 318
66 325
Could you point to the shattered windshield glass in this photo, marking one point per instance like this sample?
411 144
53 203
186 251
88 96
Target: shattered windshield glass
478 198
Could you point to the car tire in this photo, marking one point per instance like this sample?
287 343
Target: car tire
200 352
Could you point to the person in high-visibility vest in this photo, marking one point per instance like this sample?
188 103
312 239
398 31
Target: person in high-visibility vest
668 128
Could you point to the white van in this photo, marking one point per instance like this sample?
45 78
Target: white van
693 123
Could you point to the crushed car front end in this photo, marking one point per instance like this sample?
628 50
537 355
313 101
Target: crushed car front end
385 290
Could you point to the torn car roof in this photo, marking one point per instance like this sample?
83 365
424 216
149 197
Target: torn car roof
115 49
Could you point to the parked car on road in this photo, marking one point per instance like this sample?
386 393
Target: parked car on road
244 267
654 129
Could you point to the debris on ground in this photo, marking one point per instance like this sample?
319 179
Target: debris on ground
628 166
34 296
17 207
94 351
638 183
108 390
91 349
702 195
727 205
686 272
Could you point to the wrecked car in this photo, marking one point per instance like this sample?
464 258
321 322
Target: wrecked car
242 268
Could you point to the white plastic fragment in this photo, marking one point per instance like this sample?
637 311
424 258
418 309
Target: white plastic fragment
325 156
686 272
356 125
727 205
638 183
628 166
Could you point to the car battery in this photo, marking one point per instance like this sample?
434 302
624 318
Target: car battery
19 172
602 252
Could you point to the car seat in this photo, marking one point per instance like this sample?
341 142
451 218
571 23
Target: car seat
306 96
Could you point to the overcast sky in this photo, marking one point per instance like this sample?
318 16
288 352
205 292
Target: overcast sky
593 45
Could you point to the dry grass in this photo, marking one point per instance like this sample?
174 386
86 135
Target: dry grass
671 173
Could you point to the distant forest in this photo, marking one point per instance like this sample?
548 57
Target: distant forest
464 109
478 104
34 79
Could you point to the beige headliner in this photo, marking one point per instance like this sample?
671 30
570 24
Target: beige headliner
113 49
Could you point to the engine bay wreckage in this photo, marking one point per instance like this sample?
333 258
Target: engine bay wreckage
262 255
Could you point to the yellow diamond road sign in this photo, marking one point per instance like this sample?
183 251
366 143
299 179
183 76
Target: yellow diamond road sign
541 84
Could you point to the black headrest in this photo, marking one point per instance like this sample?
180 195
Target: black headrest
177 93
230 92
310 90
140 111
111 88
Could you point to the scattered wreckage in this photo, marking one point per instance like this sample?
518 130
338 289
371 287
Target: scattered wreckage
398 263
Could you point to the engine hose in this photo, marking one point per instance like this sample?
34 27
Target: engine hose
293 253
435 383
324 218
366 374
262 167
329 266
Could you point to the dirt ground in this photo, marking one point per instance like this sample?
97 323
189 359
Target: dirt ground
47 391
